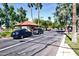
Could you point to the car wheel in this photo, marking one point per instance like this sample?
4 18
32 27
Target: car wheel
22 37
14 38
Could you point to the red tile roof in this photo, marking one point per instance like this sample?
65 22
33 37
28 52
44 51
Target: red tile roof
26 23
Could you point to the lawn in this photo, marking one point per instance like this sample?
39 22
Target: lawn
74 46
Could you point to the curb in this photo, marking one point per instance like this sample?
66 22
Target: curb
5 38
59 52
64 51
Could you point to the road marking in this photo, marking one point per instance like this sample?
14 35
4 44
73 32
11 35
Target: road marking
11 46
18 44
21 42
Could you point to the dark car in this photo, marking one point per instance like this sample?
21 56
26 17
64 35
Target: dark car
37 31
21 33
48 29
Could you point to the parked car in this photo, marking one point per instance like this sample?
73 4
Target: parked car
21 33
37 31
48 29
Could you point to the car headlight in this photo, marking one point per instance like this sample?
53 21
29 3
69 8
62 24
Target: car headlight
13 33
17 33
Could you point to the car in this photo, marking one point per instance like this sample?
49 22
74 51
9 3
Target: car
21 33
48 29
37 31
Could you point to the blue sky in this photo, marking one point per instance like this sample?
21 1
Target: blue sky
47 10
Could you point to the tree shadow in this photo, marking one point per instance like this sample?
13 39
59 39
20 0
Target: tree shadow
68 36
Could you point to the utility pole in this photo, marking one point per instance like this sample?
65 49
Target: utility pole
74 34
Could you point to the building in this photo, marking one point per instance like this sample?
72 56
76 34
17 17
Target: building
27 24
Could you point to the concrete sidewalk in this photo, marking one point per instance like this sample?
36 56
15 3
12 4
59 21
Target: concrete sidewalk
65 50
10 38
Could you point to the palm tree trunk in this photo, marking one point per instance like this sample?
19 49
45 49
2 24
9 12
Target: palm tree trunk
38 15
31 13
66 30
0 24
74 34
78 27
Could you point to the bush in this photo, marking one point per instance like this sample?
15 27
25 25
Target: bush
5 34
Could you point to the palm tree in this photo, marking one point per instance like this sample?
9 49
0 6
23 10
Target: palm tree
38 6
49 18
74 36
30 5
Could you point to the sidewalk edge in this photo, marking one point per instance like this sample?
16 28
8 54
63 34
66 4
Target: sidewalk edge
59 52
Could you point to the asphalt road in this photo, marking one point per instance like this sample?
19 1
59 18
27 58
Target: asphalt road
46 44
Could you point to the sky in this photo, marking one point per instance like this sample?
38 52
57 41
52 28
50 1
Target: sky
47 10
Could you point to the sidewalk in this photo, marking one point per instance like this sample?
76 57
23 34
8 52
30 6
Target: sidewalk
5 38
65 50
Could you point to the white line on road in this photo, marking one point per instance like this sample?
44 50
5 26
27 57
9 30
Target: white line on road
18 44
60 49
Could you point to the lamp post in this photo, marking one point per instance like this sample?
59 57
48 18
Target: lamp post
74 34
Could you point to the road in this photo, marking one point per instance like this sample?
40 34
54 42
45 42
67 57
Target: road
46 44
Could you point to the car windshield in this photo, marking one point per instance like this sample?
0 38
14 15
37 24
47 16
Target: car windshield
25 29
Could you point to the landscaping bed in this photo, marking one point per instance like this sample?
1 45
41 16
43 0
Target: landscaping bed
74 46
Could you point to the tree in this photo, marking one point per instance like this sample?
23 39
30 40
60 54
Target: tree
30 5
74 34
77 20
63 14
43 23
35 20
2 15
12 16
38 6
7 20
49 18
21 14
49 22
68 12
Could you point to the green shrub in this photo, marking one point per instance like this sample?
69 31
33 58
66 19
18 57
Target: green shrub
5 34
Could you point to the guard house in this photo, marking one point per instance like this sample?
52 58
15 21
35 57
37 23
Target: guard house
27 24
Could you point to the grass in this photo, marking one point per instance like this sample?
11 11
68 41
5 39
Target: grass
74 46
